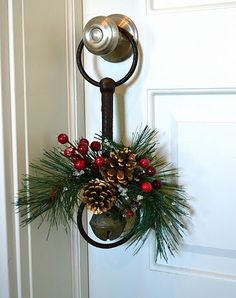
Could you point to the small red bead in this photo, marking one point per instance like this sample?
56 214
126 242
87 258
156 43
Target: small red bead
151 171
129 213
156 184
95 146
144 162
146 186
100 161
80 164
69 151
84 141
83 149
63 138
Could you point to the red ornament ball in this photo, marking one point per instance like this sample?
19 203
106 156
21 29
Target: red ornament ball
100 161
151 171
129 213
69 151
146 186
95 146
63 138
80 164
84 142
83 149
144 162
156 184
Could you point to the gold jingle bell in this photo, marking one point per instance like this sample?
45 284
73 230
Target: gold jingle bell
108 225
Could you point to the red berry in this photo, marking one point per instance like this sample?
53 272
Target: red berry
69 151
63 138
100 161
95 146
80 164
151 171
129 213
83 149
75 157
156 184
146 186
84 142
144 162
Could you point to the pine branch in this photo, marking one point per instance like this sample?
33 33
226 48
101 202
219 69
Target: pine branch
144 142
51 191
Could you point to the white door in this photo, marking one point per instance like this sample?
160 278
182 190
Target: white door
186 87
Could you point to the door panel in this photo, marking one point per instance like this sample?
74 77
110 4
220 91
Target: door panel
198 138
186 88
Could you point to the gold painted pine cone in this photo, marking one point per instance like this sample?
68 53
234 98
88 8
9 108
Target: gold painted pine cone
119 167
99 196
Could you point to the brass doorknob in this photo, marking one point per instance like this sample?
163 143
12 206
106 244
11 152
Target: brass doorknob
101 36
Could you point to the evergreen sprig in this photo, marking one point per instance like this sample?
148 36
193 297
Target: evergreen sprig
51 190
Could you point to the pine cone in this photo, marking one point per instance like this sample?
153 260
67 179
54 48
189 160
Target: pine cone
99 196
119 167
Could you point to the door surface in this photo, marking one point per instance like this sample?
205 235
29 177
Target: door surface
185 86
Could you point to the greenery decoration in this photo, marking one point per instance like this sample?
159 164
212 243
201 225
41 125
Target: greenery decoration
134 177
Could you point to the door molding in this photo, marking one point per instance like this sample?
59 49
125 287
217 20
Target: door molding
16 245
76 125
154 6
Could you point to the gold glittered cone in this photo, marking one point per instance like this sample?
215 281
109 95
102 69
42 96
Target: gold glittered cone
119 166
99 196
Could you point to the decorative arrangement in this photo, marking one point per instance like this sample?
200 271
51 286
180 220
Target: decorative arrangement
106 176
131 190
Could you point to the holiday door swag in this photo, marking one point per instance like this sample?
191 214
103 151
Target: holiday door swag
131 188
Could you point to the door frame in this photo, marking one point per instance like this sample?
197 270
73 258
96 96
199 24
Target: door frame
16 278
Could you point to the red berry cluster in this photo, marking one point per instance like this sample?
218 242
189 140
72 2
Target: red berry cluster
81 159
129 213
147 186
79 154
